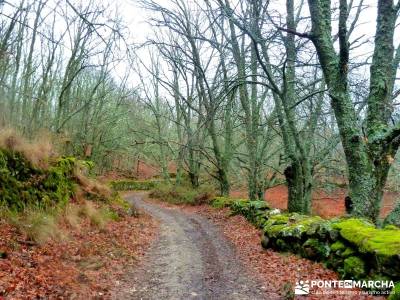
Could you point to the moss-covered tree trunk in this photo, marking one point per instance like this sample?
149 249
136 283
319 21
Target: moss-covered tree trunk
368 155
299 182
251 104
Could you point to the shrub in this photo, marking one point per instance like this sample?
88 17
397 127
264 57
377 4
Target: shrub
127 185
39 153
182 194
22 184
221 202
36 224
98 216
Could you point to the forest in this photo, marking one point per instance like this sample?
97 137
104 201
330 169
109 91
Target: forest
279 118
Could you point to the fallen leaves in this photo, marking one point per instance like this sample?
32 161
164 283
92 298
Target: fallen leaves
85 265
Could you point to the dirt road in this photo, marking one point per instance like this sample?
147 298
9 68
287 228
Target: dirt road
190 260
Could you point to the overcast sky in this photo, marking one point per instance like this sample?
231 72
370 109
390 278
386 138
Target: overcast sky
137 18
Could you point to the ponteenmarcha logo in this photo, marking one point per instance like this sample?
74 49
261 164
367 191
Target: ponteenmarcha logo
302 287
305 287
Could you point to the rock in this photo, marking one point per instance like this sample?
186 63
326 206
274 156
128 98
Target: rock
265 241
282 245
274 211
315 249
338 246
354 268
383 245
395 293
334 262
3 255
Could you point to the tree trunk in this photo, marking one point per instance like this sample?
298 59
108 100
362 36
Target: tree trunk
299 181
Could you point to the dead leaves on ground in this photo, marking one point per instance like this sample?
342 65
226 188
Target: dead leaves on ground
85 265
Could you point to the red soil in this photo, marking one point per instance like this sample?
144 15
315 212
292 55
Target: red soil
324 204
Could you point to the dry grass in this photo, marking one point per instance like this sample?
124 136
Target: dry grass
96 216
91 186
37 225
183 194
38 152
40 225
72 215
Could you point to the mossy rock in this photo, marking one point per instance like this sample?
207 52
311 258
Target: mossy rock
338 246
382 245
325 230
265 243
240 206
290 225
354 268
395 293
282 245
261 218
221 202
315 249
334 262
256 212
259 205
368 238
22 184
379 277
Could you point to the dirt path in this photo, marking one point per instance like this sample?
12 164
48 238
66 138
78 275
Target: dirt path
190 260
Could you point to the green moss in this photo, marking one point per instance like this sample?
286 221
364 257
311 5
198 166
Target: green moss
355 248
368 238
395 293
240 206
281 245
391 227
354 268
348 252
315 249
259 205
221 202
338 246
22 184
290 225
253 211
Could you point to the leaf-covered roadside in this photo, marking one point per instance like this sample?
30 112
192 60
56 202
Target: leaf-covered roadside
278 271
87 263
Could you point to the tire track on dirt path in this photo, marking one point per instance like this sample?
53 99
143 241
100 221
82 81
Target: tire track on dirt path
191 259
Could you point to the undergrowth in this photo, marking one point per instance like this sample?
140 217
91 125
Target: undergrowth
42 193
182 194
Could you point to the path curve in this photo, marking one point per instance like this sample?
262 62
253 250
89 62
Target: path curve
191 259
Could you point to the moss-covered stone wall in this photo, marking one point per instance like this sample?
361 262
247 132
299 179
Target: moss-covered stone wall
128 185
355 248
24 184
